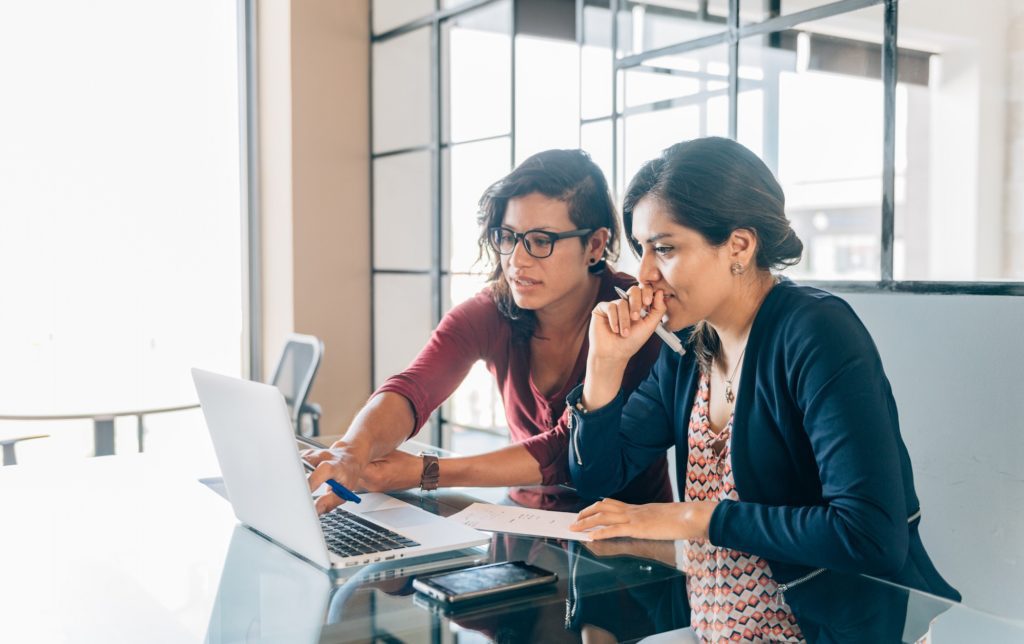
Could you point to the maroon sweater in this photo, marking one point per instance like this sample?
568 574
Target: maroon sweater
476 330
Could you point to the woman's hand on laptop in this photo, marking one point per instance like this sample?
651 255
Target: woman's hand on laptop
338 463
397 471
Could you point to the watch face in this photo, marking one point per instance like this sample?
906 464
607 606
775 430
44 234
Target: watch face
431 472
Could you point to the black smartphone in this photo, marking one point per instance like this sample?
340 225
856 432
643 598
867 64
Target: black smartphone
483 582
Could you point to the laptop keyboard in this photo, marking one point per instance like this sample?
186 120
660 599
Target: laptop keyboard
349 534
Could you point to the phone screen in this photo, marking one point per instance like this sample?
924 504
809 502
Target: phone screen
485 577
484 581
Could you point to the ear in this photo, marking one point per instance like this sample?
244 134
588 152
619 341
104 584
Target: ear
742 246
597 243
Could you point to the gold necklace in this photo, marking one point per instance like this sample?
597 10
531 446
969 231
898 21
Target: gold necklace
729 395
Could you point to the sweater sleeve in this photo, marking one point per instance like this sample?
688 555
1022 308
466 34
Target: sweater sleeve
834 373
610 446
462 338
551 448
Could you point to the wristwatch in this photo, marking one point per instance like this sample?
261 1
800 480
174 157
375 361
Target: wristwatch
431 471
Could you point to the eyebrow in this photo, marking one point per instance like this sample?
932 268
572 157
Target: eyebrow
544 228
654 238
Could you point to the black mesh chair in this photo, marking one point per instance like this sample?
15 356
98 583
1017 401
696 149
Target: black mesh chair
294 376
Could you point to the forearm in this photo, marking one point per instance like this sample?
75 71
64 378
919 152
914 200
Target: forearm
612 443
380 426
602 382
512 465
596 463
860 538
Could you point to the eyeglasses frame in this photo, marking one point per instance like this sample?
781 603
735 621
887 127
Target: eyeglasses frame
517 237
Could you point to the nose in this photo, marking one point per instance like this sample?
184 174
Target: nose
519 256
648 272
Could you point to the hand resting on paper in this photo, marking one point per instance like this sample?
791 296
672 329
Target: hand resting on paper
647 521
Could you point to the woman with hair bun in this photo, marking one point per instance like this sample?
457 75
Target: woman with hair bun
789 455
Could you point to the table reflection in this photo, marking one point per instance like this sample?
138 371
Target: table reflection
610 591
267 595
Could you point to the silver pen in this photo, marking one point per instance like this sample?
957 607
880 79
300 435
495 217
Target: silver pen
666 336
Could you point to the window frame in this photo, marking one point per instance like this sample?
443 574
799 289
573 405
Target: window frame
252 241
731 35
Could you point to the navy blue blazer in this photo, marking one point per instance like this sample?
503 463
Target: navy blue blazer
823 475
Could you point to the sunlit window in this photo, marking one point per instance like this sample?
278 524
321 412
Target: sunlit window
809 101
120 215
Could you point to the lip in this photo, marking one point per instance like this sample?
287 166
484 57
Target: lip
521 283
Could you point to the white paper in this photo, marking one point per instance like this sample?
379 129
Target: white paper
517 520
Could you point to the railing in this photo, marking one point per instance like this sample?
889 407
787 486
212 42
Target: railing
103 423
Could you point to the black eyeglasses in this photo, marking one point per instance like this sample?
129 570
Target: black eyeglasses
538 243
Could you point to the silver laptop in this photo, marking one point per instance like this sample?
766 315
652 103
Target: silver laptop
266 485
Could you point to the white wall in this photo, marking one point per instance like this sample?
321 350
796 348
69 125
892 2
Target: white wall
968 130
956 364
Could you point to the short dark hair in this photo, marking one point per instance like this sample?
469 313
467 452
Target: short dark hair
570 176
714 186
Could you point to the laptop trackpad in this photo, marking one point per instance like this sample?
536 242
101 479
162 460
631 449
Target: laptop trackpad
402 517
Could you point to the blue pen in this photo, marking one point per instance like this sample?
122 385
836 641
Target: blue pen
343 491
336 487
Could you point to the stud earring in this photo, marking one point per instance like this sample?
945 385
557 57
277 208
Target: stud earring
593 260
736 268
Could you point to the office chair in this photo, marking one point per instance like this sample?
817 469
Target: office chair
294 375
8 445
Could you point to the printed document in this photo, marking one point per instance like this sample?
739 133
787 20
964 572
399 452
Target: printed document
535 523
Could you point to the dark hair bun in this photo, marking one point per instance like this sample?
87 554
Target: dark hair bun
714 186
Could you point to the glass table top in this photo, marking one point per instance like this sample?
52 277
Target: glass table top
123 549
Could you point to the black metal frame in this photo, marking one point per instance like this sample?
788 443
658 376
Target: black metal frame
436 272
731 35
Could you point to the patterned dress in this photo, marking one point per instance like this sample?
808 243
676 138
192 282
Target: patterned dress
732 594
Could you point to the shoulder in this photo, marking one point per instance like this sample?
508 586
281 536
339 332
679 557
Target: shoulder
803 313
812 335
478 312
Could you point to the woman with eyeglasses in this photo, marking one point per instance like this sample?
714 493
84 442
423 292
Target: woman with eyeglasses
549 229
790 460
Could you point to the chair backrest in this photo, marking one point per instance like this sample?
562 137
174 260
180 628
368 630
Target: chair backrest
296 369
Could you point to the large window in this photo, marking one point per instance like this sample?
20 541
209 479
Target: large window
459 97
882 121
121 215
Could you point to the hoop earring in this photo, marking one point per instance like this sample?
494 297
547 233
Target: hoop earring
736 268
